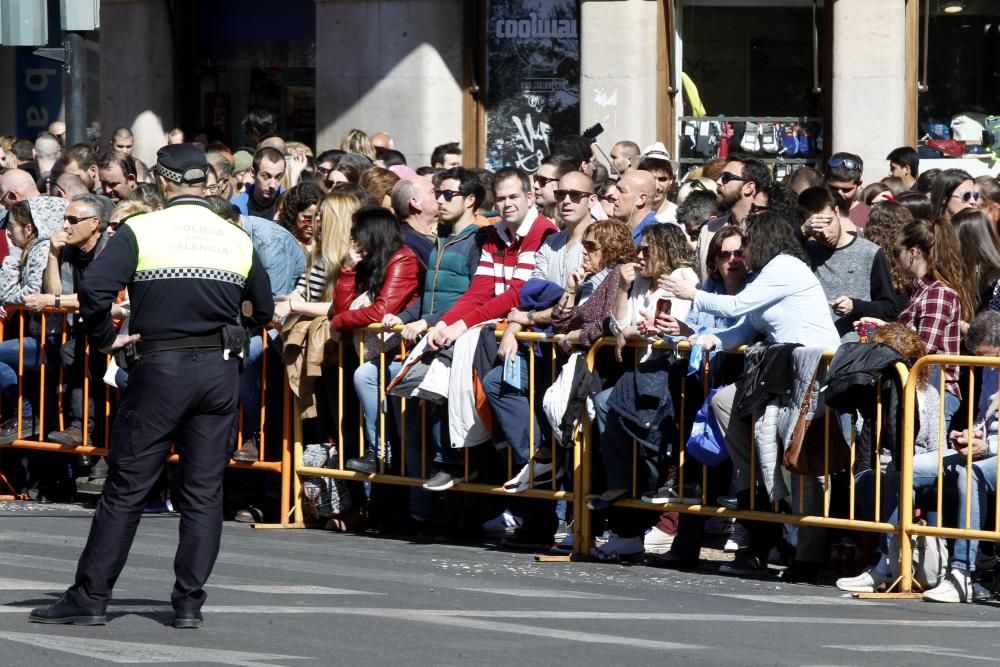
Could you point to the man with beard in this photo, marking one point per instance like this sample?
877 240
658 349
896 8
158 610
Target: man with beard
742 185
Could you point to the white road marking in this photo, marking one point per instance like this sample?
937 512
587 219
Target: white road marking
290 590
544 593
924 650
27 585
129 653
789 599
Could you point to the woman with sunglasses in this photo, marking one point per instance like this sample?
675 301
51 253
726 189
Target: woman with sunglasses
954 191
298 209
380 276
30 224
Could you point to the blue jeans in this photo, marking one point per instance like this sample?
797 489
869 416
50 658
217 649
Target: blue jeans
984 482
9 367
367 385
513 411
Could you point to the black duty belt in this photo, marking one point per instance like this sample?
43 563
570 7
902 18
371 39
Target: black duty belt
209 341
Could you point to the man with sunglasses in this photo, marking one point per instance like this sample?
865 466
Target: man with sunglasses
547 177
853 272
843 174
740 187
71 251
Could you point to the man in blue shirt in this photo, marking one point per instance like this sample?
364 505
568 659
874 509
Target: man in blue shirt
632 198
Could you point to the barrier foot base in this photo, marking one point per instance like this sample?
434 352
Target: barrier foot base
887 596
274 526
551 558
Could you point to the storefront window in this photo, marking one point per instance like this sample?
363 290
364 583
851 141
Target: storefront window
963 69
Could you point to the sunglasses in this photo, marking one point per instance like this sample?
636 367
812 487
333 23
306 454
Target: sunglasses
544 180
574 195
591 246
756 209
850 163
698 185
447 194
970 196
642 250
307 219
728 177
323 171
726 255
73 220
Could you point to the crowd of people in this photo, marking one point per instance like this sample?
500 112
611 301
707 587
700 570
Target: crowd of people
451 264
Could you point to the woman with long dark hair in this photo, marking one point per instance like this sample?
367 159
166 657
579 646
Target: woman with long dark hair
380 276
977 237
954 191
298 211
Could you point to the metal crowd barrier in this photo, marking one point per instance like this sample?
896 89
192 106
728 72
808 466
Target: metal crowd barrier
583 458
908 527
47 340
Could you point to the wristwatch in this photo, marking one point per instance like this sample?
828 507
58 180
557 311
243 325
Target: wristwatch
531 317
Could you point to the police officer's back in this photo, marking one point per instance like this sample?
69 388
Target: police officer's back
188 272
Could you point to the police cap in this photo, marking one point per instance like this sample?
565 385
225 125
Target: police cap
182 164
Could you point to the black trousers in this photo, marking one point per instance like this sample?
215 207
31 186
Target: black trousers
183 397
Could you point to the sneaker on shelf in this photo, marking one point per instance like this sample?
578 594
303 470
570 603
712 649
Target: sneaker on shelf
719 525
502 524
956 587
745 565
8 429
869 581
540 471
248 453
71 436
656 541
445 478
669 494
738 539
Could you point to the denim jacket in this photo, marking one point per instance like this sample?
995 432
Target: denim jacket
279 252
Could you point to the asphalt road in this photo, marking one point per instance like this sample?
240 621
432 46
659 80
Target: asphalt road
301 597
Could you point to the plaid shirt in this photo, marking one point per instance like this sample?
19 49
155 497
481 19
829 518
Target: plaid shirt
935 312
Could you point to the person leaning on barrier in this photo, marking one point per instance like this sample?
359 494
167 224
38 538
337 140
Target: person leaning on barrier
30 225
978 443
71 252
193 280
783 304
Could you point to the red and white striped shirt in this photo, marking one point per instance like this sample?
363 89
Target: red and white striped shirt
504 266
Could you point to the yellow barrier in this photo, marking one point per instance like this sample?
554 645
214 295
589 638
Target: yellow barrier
583 464
38 443
908 528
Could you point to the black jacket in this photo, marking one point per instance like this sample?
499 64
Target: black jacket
767 372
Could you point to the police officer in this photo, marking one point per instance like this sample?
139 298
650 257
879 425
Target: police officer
192 277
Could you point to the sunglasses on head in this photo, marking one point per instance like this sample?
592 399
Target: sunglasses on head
836 162
726 255
574 195
728 177
967 197
447 194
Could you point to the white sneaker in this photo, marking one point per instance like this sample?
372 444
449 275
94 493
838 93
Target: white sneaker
502 524
956 587
522 480
656 541
739 539
868 581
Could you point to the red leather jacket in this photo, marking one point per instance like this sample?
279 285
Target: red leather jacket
403 278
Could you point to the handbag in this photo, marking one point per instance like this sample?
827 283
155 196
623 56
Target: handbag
706 443
324 496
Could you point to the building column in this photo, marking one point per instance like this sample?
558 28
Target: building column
137 73
618 69
389 66
869 81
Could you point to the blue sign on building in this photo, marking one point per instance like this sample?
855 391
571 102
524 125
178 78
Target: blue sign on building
39 92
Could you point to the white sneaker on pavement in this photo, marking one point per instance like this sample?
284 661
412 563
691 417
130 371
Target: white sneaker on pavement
868 581
738 539
956 587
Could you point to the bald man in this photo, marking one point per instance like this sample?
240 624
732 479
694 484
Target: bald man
632 201
70 185
381 140
622 155
415 204
17 185
47 150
